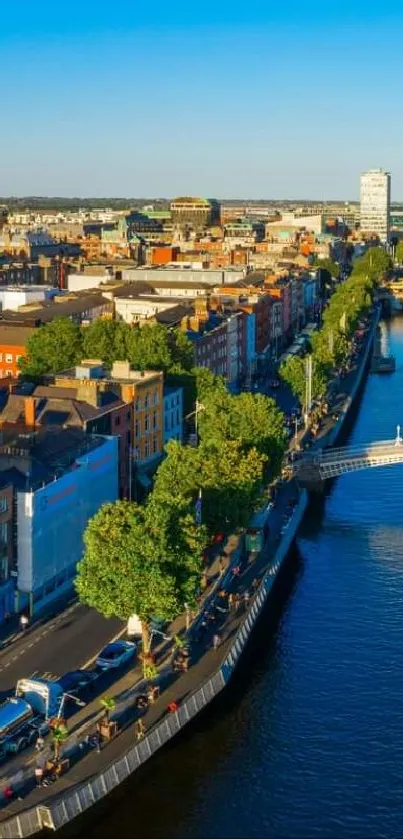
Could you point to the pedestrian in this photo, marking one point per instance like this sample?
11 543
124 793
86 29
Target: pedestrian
173 707
236 570
246 598
23 623
140 729
38 775
230 600
222 564
216 641
40 743
256 583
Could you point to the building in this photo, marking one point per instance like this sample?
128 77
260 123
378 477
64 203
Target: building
81 308
173 414
52 482
375 203
83 404
12 297
195 212
13 340
142 390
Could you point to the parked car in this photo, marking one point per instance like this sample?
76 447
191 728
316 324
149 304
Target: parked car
116 654
77 680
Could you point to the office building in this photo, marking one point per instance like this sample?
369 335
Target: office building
375 203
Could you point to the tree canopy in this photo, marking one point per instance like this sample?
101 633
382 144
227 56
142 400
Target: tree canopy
51 348
61 344
143 560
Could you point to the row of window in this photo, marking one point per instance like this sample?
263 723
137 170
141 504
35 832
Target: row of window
170 420
149 399
150 448
149 423
9 358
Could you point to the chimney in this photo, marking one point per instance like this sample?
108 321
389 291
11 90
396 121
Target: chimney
29 410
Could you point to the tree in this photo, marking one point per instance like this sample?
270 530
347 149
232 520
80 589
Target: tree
328 265
252 420
293 372
137 561
59 735
52 348
182 351
399 253
229 478
108 704
108 340
149 348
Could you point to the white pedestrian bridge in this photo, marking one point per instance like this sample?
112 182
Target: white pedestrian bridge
318 466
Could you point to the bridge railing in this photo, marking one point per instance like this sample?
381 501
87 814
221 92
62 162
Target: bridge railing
352 451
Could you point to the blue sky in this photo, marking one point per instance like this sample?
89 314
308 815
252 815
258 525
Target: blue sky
221 99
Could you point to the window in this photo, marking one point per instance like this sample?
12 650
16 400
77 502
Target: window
154 420
9 358
155 445
9 373
146 401
138 404
3 505
156 397
117 420
146 423
137 429
146 449
128 416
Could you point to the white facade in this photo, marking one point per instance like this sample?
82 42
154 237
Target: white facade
135 309
375 203
15 296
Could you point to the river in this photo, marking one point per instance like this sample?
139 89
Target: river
309 740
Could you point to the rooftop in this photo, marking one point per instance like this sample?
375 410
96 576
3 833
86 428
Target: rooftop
50 452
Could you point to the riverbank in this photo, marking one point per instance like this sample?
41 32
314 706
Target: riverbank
96 776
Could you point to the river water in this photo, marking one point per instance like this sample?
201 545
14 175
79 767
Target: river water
309 740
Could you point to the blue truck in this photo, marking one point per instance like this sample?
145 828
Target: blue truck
25 716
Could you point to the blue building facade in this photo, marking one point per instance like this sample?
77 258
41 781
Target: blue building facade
173 414
51 521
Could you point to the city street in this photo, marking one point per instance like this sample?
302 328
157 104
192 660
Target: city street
65 643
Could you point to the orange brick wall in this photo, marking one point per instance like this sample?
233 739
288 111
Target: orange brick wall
9 360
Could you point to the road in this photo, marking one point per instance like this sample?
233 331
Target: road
64 643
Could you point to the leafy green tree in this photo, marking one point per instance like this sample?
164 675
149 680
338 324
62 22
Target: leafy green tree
328 265
229 477
293 372
399 253
140 560
108 340
252 420
108 703
182 351
52 348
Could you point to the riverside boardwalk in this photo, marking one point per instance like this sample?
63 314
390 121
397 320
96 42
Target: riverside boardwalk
209 671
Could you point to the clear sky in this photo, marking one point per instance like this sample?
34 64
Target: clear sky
248 98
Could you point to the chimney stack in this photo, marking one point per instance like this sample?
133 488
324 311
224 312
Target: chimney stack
29 410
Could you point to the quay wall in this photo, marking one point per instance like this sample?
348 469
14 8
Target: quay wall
75 801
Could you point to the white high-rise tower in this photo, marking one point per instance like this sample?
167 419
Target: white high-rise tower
375 203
